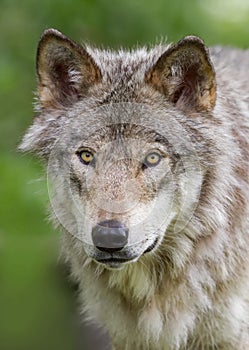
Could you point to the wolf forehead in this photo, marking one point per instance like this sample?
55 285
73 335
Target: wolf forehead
123 66
118 134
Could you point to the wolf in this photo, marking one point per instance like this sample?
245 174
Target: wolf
147 155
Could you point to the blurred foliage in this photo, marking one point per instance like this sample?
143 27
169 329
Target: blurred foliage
37 307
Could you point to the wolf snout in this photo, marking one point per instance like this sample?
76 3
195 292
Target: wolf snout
110 236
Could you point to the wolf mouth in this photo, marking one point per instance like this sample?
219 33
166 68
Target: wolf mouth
118 261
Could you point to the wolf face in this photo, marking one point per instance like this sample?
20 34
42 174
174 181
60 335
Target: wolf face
120 179
120 160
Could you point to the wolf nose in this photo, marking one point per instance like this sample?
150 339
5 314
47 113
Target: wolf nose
110 236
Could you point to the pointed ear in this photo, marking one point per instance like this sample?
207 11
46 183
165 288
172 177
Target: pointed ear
65 70
185 75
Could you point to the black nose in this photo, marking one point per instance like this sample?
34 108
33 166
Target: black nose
110 236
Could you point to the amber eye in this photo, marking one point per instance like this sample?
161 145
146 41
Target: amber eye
86 157
152 159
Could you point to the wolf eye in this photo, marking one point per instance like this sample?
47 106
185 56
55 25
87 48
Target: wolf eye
152 159
86 157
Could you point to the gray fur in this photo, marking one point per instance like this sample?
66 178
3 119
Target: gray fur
191 211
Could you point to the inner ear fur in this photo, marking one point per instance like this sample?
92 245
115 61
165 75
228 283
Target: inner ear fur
65 70
185 75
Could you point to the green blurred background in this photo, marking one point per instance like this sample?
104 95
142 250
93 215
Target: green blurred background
37 304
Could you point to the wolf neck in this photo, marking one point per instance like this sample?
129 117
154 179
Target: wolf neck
141 284
136 282
142 293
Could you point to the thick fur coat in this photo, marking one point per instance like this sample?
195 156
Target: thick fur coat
170 126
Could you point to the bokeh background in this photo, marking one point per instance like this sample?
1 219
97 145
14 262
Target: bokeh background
37 303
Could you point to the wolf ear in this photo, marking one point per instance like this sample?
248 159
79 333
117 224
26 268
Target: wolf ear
65 70
185 75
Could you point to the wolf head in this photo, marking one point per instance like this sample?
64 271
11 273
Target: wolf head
121 134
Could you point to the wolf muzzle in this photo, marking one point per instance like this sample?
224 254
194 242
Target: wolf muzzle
110 236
